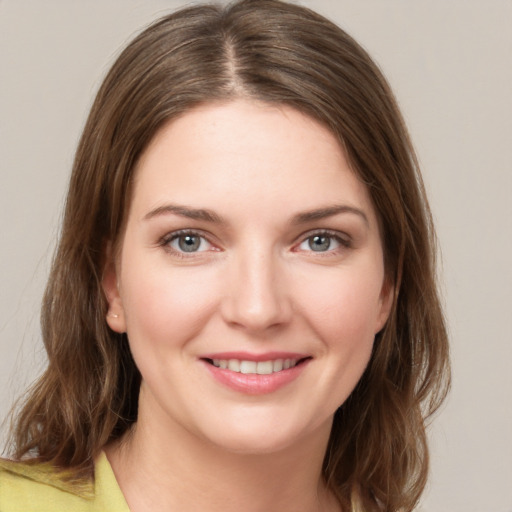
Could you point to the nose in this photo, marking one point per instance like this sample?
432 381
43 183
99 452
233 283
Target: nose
256 297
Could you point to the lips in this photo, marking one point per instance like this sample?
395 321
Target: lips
255 374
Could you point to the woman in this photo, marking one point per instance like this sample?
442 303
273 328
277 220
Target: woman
242 312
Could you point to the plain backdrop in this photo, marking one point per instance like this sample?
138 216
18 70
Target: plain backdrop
450 64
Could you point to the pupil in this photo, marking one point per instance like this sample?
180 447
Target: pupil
189 243
319 243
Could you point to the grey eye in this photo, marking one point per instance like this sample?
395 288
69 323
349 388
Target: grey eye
319 243
189 243
182 243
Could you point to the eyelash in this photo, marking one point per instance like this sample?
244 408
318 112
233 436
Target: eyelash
175 235
344 242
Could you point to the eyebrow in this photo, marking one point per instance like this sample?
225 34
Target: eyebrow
329 211
185 211
210 216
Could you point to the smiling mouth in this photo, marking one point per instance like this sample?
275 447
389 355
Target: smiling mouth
256 367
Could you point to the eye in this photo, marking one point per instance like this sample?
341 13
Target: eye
187 242
323 242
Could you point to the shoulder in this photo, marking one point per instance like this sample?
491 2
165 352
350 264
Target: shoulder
27 487
37 487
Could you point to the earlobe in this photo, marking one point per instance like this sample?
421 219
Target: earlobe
116 322
115 315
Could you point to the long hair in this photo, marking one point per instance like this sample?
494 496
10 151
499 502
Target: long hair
377 457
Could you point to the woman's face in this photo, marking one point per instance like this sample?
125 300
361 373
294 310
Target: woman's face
250 277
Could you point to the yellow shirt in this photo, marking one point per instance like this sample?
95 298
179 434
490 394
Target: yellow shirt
25 488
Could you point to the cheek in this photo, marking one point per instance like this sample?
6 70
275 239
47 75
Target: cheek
343 314
166 306
344 306
348 301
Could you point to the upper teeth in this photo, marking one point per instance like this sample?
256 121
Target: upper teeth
260 367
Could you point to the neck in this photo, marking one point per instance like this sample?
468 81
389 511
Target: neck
163 466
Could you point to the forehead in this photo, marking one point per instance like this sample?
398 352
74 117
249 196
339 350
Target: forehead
223 154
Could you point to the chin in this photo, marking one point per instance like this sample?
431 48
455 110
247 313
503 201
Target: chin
270 438
255 445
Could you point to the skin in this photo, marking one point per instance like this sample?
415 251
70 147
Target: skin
256 285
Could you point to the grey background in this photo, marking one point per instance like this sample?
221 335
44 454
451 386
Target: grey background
450 64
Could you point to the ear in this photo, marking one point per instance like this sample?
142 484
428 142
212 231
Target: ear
110 283
386 299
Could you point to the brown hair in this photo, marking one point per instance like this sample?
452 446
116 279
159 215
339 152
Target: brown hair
377 458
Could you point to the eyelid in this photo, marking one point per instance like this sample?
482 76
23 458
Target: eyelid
166 240
341 237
